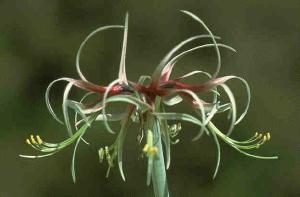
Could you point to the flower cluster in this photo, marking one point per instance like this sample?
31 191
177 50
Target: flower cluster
146 100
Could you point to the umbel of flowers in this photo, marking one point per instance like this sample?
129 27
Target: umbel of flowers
146 100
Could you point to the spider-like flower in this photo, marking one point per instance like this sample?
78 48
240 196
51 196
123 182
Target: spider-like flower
146 100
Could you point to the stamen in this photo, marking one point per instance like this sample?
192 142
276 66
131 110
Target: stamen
174 129
153 150
108 157
32 139
264 139
28 141
254 138
254 142
150 150
101 154
268 136
39 140
260 136
107 151
146 148
179 127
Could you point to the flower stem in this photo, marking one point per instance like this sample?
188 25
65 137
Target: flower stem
158 173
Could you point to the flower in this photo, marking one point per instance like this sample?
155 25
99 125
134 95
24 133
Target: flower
149 96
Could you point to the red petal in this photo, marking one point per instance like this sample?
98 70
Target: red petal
89 86
197 88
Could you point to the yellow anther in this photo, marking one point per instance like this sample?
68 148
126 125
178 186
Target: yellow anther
108 157
268 136
265 138
153 150
28 141
106 150
146 148
150 150
39 140
179 126
256 134
32 139
101 154
101 151
260 136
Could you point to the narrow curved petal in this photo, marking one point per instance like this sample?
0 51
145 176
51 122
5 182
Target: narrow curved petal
196 18
122 69
161 69
95 32
233 108
169 66
78 83
65 108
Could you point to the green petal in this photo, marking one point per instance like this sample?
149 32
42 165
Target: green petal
95 32
196 18
122 69
158 71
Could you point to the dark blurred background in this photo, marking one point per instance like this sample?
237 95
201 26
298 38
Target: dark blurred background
38 43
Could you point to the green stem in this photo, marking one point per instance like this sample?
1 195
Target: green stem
158 174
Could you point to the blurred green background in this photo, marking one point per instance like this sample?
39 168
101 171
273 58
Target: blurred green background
38 43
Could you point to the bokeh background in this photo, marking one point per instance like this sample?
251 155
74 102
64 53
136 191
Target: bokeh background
38 43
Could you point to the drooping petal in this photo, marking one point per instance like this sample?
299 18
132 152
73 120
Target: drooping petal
218 154
219 81
109 87
80 111
37 156
170 64
161 69
78 83
95 32
73 172
65 108
166 139
233 107
199 105
121 139
248 100
196 18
